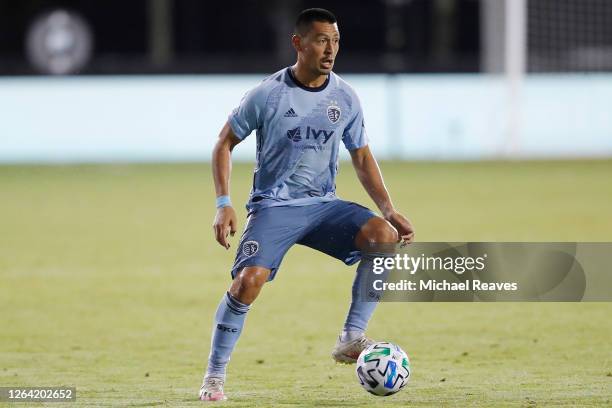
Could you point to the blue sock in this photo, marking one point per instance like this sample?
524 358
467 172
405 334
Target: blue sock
229 320
364 299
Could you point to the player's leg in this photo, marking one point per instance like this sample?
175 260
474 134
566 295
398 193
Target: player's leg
229 321
345 230
268 235
231 314
352 341
373 233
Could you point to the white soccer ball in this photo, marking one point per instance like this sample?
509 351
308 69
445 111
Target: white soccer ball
383 369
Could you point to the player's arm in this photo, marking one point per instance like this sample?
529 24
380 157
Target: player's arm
225 220
371 178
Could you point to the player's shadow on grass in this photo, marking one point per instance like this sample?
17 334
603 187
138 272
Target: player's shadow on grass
150 404
324 403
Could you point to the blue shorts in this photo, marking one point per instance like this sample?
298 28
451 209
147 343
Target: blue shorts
329 227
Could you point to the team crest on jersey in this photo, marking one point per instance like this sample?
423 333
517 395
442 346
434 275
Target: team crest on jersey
250 248
333 112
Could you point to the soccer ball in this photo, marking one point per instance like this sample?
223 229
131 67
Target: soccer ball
383 369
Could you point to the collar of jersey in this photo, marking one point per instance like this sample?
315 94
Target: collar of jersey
306 88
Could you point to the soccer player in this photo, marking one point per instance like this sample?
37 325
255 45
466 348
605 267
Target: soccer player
300 114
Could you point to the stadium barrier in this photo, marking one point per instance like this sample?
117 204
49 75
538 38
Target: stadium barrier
408 117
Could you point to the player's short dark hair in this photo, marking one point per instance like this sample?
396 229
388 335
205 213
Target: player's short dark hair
309 16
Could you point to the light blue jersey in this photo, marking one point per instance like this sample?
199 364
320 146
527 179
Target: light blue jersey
298 136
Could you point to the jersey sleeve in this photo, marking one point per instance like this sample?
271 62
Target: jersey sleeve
355 136
248 116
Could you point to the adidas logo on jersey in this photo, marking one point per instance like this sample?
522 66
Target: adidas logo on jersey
291 113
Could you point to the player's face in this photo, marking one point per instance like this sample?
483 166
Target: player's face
320 46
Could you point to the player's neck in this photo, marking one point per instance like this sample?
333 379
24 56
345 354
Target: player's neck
307 78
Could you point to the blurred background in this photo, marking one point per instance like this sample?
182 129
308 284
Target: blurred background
110 272
154 80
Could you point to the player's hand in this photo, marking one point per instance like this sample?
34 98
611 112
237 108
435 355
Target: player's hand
225 225
402 225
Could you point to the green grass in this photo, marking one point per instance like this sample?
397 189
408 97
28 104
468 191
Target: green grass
110 276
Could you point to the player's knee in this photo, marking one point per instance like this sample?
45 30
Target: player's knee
253 278
384 234
248 283
378 231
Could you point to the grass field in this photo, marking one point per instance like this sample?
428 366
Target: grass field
110 276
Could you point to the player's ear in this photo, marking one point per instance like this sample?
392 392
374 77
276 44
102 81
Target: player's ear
296 41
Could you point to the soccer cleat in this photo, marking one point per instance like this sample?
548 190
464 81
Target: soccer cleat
347 352
212 389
